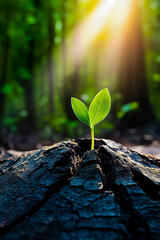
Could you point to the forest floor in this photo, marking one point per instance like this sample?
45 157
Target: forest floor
149 149
142 143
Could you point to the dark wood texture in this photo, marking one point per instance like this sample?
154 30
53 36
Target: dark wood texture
66 192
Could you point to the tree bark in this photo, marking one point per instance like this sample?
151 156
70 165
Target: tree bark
66 192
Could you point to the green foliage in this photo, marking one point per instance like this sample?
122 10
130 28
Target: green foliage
150 11
10 123
98 110
6 89
27 31
132 106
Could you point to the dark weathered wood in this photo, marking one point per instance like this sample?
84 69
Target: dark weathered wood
67 192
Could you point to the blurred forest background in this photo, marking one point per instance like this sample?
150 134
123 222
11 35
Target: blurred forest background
53 50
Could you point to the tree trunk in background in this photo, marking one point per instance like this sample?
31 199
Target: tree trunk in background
72 82
133 84
75 79
50 62
29 86
64 57
96 81
4 69
64 88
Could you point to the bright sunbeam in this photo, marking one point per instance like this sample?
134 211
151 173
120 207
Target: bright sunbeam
111 13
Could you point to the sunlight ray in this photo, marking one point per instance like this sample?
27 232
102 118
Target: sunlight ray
111 13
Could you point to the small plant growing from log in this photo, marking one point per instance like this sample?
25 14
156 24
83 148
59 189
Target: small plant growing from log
98 110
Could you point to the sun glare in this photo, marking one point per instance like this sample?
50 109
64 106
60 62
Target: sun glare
109 14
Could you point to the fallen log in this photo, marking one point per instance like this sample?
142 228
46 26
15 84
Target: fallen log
67 192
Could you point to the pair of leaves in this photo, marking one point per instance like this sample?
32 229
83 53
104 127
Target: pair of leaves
98 110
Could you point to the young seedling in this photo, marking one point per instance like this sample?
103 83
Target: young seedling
98 110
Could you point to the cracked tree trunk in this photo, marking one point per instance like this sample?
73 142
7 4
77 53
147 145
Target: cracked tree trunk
67 192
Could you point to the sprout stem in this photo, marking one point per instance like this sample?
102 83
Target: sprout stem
92 136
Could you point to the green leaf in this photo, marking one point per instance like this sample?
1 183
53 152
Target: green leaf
99 107
80 110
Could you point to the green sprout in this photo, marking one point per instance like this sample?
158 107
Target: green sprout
98 110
